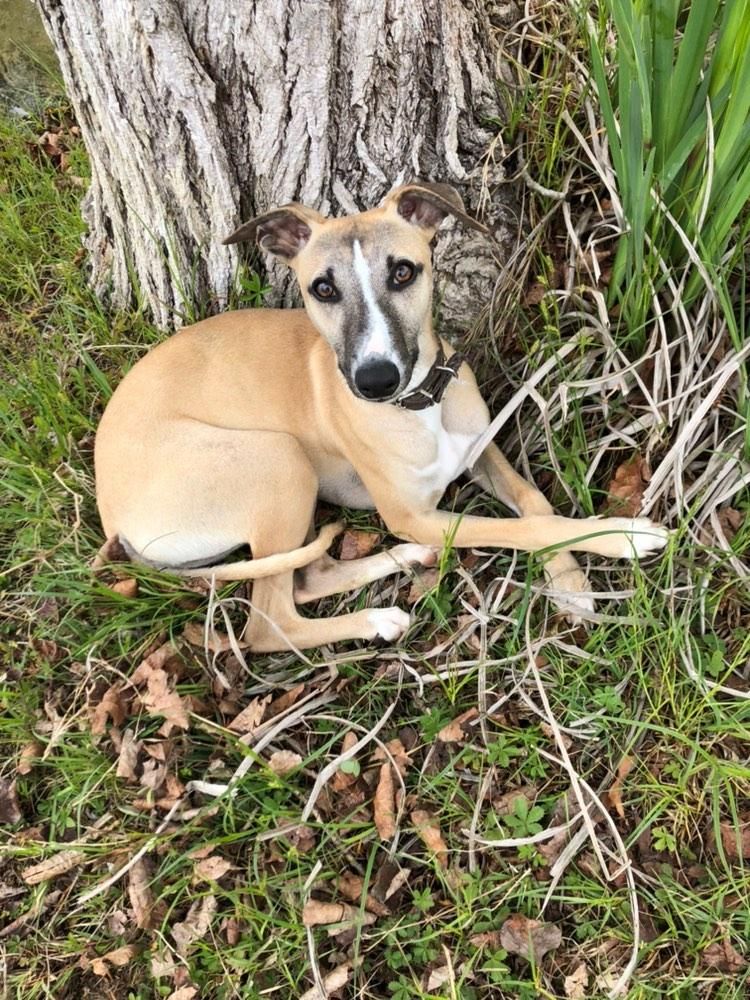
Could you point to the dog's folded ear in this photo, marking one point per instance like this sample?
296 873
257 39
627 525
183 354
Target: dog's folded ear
282 231
425 204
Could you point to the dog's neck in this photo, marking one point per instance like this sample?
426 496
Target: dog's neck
429 390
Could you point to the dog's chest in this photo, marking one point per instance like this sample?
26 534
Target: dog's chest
449 454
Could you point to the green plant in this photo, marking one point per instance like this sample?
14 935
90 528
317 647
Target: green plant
675 99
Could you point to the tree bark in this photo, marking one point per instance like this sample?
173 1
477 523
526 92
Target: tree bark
198 115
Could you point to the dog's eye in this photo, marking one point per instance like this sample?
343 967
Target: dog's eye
324 290
402 274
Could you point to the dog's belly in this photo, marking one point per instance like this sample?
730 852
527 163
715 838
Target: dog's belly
340 484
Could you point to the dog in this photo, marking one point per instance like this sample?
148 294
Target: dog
229 432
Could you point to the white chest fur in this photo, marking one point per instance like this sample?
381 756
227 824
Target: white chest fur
451 449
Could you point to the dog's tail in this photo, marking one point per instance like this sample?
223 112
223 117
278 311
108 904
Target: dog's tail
252 569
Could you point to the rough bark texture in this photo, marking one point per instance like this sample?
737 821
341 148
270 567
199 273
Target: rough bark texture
198 115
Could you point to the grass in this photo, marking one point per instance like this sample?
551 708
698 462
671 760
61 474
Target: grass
561 706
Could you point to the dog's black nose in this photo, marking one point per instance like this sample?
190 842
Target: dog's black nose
377 379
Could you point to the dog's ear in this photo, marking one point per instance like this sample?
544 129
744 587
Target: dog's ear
282 231
425 204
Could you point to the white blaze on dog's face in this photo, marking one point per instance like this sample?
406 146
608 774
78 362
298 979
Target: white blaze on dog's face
366 280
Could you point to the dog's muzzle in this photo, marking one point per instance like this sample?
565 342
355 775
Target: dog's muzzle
377 380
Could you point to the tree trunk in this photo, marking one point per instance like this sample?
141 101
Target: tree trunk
198 115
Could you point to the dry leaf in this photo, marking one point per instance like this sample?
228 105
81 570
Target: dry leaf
333 981
454 731
343 779
10 810
429 830
724 957
398 754
127 759
125 588
28 756
625 492
231 928
575 984
384 804
211 869
357 544
113 705
351 886
285 701
118 958
736 840
316 912
139 893
250 717
195 925
423 582
283 761
163 966
615 792
505 804
160 699
730 521
50 868
184 993
531 939
488 939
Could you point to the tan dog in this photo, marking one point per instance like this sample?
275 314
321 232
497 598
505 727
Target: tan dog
228 433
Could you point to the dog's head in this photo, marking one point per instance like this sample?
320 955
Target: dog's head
366 279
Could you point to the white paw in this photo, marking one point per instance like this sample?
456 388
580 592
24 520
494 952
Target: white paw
640 535
388 623
410 554
568 587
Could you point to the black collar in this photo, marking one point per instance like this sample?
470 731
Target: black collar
432 388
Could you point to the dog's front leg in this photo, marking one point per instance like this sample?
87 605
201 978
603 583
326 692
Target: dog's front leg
568 583
615 537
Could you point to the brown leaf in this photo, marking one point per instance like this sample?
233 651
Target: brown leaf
283 761
118 958
575 984
531 939
113 705
454 731
429 831
397 752
29 754
357 544
125 588
161 699
488 939
423 582
724 957
50 868
343 779
384 804
184 993
730 521
505 804
10 810
615 791
211 869
352 886
195 925
736 839
232 929
316 912
250 717
127 759
285 701
139 893
625 492
333 981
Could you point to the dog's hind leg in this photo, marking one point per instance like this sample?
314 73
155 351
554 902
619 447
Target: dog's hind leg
274 623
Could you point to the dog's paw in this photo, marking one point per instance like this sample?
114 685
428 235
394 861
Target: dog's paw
634 537
388 623
569 588
411 554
